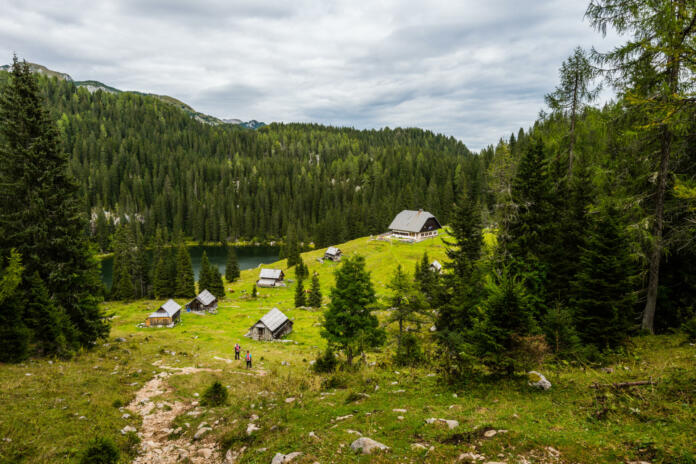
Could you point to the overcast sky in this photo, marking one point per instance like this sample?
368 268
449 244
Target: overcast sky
476 70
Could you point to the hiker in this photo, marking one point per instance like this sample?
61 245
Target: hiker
248 360
237 349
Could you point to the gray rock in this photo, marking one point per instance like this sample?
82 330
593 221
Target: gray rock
201 433
367 445
232 456
537 379
251 428
283 458
120 339
205 453
127 428
451 424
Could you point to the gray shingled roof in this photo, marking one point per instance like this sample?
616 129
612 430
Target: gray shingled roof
436 264
270 274
273 319
170 307
205 297
410 221
333 251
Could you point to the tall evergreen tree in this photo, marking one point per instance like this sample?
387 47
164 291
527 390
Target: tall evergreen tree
14 334
41 215
49 326
185 282
300 297
406 301
349 322
292 249
124 264
205 275
604 302
314 299
217 287
232 267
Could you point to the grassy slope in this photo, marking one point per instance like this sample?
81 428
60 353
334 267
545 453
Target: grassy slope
41 412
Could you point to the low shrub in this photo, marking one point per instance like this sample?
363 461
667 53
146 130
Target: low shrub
100 450
326 362
215 395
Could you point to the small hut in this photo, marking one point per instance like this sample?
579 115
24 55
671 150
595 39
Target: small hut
167 315
436 267
204 301
272 326
414 225
271 278
333 253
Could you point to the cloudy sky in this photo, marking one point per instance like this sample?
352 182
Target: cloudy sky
472 69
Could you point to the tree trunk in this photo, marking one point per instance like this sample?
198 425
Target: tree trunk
648 322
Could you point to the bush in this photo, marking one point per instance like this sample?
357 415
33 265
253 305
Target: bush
689 328
101 450
409 353
130 444
338 380
326 362
215 395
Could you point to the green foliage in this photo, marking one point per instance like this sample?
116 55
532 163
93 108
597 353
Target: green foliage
409 351
185 283
41 211
326 362
689 328
205 275
301 269
14 334
349 322
300 297
100 450
217 286
559 327
314 299
123 287
215 395
407 304
232 267
254 292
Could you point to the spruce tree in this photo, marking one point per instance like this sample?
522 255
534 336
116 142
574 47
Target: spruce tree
41 214
48 325
406 301
254 292
205 275
604 302
185 282
314 299
232 267
348 321
217 287
162 282
300 297
291 249
14 334
124 264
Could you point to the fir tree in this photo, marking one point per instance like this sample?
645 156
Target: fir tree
254 292
217 287
48 325
406 301
41 214
604 302
162 282
292 249
14 334
349 322
314 299
232 267
124 264
300 297
205 275
301 270
185 282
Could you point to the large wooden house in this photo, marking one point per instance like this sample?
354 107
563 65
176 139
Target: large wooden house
272 326
414 225
333 253
167 315
203 302
271 278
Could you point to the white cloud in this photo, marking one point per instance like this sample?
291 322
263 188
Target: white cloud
474 70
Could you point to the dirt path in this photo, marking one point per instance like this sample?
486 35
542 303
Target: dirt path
156 447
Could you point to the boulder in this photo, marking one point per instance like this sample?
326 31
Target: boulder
201 433
290 400
126 429
283 458
251 428
367 445
536 379
232 456
490 433
471 457
451 424
205 453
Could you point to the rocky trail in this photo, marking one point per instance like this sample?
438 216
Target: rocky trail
159 442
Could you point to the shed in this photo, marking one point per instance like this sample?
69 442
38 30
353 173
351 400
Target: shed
414 225
271 278
272 326
435 266
204 301
333 253
167 315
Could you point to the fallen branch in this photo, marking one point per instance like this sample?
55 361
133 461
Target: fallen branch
623 384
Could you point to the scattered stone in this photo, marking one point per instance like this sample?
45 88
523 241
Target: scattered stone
201 433
125 416
82 418
196 395
314 436
418 446
451 424
283 458
120 339
340 418
454 395
490 433
367 445
251 428
201 425
471 457
254 418
290 400
433 329
284 363
400 418
205 453
538 380
354 432
127 428
232 456
395 383
399 410
607 370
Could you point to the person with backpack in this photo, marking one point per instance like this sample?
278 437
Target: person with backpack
237 349
248 360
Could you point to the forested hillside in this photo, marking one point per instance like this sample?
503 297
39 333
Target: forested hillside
136 157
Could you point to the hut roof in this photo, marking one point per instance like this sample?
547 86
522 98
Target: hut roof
273 319
266 282
171 307
274 274
411 221
205 297
333 251
436 265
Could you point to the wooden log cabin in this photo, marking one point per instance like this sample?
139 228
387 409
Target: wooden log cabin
333 253
271 278
203 302
168 314
414 226
272 326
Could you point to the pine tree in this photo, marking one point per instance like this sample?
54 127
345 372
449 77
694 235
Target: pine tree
254 292
48 325
205 275
301 270
314 299
124 264
14 334
406 301
232 267
604 302
41 215
162 282
300 297
217 287
291 249
348 321
185 282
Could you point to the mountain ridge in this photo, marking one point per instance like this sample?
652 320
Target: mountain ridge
95 86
